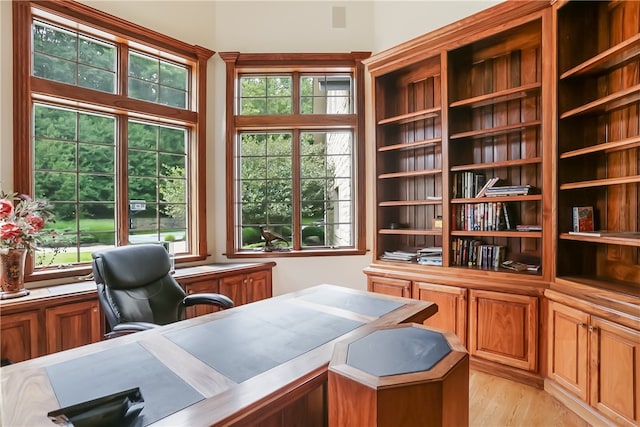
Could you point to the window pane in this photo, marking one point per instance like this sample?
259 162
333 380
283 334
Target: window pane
143 90
94 78
173 76
69 57
97 54
56 69
326 94
156 80
142 67
265 95
76 177
54 41
327 184
158 184
142 135
172 97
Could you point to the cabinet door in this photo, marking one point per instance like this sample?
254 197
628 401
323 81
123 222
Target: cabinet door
388 286
258 286
72 325
19 336
204 286
234 288
452 307
504 328
568 352
615 371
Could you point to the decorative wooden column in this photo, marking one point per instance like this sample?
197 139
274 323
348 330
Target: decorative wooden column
401 375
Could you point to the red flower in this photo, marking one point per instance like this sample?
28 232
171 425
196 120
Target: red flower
9 230
6 208
35 222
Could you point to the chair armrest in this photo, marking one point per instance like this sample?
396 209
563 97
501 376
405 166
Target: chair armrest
208 298
129 328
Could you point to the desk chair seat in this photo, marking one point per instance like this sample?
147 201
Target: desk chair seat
137 292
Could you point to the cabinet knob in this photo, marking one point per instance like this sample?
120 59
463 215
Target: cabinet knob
592 328
581 325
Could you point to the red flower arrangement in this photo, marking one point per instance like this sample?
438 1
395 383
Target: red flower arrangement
22 221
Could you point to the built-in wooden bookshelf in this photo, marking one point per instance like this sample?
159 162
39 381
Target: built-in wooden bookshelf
598 140
539 94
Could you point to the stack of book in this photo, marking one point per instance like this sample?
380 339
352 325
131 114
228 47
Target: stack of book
528 227
430 256
399 256
509 190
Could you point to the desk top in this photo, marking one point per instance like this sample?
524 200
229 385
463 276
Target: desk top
224 367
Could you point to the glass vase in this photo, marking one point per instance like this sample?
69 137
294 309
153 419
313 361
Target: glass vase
12 273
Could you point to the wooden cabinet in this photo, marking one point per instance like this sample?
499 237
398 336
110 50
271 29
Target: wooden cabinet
452 307
598 141
568 359
19 333
504 328
246 288
72 325
390 286
199 287
596 360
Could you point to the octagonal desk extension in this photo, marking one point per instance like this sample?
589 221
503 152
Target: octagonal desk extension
401 375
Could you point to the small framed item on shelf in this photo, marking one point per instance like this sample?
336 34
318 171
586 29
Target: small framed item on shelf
583 219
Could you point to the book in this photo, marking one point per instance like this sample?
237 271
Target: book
509 190
605 233
490 183
514 265
583 218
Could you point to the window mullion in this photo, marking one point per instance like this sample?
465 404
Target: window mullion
296 190
122 180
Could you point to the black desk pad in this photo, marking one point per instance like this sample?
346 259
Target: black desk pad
117 369
397 351
361 304
250 342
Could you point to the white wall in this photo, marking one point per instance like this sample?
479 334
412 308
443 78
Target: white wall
266 26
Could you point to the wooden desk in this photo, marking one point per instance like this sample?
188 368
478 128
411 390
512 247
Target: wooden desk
289 392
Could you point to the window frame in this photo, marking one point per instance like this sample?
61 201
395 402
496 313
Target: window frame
28 89
296 64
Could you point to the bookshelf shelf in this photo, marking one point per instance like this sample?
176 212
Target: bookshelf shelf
412 145
608 147
409 174
412 117
496 165
621 53
410 231
610 240
505 233
391 203
614 101
496 131
529 197
499 96
601 182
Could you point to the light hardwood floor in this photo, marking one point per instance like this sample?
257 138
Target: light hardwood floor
498 402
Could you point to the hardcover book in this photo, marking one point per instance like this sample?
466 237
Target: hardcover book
583 218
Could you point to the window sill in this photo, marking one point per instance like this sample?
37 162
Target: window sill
293 253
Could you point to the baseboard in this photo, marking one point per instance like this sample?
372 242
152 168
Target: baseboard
575 404
514 374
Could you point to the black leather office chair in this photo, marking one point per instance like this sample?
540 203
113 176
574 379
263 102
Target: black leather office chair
137 292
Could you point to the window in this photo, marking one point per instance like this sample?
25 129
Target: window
295 150
108 130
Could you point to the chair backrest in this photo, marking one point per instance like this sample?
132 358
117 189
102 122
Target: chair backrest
134 285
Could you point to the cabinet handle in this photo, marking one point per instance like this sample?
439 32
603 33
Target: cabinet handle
592 328
581 325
